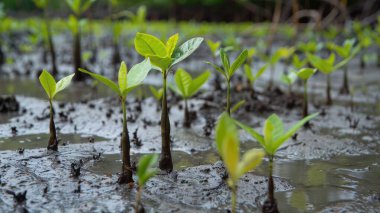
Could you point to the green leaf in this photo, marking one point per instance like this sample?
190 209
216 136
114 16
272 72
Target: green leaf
250 160
291 131
261 71
144 170
306 73
74 6
224 127
161 64
248 73
273 130
225 60
86 5
110 84
198 82
321 64
297 63
137 74
289 79
48 83
252 132
231 154
63 83
157 93
238 62
171 44
42 4
148 45
214 46
183 81
122 77
237 106
186 49
217 68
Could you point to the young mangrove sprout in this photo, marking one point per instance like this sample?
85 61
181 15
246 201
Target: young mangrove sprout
228 146
327 67
305 74
214 47
252 78
127 81
289 79
52 88
43 4
144 173
163 57
272 138
346 51
281 53
187 87
157 94
78 7
228 71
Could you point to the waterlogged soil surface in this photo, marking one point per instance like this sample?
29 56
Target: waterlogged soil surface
333 166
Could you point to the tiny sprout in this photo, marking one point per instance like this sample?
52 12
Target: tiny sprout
281 53
227 144
144 173
273 137
228 70
252 78
127 81
52 88
187 87
214 46
305 74
157 93
298 63
163 57
289 79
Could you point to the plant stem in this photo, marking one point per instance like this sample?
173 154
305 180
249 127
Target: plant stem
186 122
305 100
126 171
166 158
328 91
233 199
345 88
53 143
138 199
77 56
228 107
270 205
51 45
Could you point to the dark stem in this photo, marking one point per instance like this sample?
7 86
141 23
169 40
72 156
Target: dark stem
345 88
51 46
186 122
270 85
328 91
228 107
305 100
126 171
270 205
53 143
138 199
77 54
362 62
166 158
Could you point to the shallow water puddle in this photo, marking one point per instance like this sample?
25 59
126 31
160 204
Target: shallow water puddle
40 141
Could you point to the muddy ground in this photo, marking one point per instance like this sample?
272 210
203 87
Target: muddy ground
331 167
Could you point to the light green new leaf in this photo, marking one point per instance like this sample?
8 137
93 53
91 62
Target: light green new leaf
198 82
248 73
252 132
122 77
306 73
112 85
144 168
137 74
63 83
250 160
289 78
157 93
273 130
48 83
148 45
214 46
230 154
224 127
186 49
238 62
183 81
171 44
217 68
225 60
322 65
297 63
159 63
237 106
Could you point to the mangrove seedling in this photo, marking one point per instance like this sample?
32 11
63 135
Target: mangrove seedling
305 74
214 47
187 87
228 147
281 53
127 81
326 66
163 57
345 51
144 173
252 78
78 7
157 94
298 63
52 88
289 79
43 5
228 71
272 138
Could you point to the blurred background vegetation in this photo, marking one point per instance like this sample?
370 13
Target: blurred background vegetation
208 10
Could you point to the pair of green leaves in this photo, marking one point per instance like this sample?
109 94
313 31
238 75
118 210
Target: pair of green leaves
298 63
145 170
51 87
157 93
163 56
309 47
343 51
214 46
324 65
74 24
281 53
289 78
253 77
306 73
127 81
186 85
79 6
274 134
229 69
228 146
